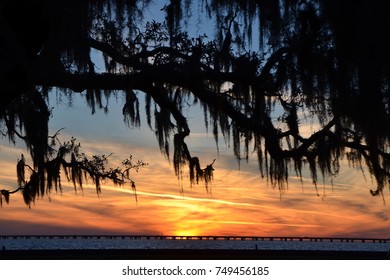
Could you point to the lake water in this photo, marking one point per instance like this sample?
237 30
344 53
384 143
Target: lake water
49 243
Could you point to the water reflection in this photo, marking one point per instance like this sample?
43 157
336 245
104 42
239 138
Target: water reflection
76 242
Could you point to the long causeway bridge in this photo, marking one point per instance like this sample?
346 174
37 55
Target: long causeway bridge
203 237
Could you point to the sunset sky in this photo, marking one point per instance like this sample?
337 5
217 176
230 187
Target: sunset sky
239 202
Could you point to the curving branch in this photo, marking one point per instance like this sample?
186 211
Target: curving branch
259 125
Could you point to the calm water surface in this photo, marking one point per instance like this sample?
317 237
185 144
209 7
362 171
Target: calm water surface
34 243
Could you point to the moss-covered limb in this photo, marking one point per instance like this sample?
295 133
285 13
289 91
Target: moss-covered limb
77 168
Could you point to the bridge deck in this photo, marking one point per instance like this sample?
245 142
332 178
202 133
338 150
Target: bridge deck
203 237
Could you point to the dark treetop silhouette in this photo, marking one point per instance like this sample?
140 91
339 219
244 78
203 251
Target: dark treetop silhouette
326 61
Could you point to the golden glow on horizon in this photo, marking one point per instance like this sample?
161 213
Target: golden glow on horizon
186 232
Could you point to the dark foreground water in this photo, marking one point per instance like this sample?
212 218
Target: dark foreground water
60 243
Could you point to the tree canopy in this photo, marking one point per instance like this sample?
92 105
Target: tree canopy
270 67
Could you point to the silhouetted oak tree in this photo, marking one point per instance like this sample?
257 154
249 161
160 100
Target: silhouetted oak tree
327 62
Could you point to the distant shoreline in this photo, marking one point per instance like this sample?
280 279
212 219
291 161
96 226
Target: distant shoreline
190 254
